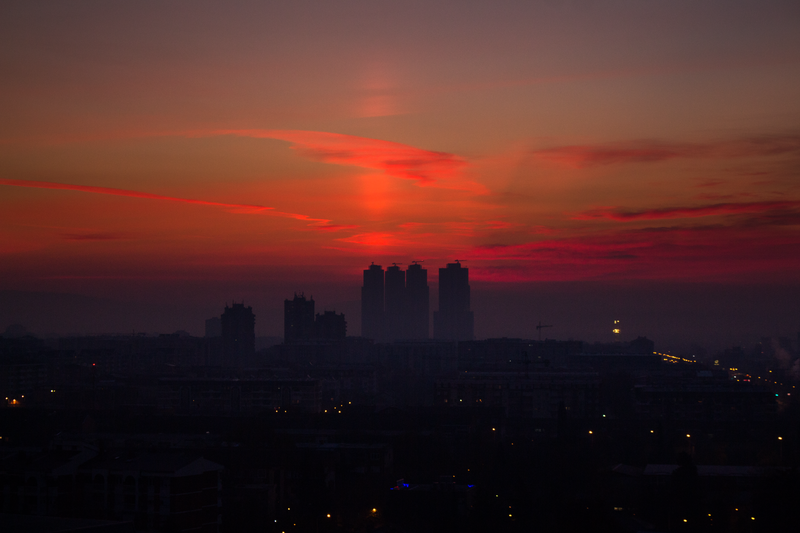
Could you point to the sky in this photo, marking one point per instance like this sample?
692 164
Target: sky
585 160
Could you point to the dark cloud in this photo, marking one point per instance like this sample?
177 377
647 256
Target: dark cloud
728 208
645 151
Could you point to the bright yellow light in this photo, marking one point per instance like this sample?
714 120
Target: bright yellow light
780 438
688 436
492 429
685 520
374 510
590 432
615 330
651 431
329 515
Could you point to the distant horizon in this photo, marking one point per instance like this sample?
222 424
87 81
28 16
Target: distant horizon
665 314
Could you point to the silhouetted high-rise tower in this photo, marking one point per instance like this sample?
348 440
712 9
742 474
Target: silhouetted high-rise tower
372 303
298 319
417 302
395 309
453 320
238 334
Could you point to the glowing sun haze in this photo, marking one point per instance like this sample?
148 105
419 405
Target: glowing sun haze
149 146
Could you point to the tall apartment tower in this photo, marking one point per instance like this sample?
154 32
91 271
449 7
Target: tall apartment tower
298 319
453 320
372 303
417 303
395 323
238 334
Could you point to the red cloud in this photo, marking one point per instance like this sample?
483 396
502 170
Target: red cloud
99 236
333 227
693 253
240 208
686 212
501 224
580 156
426 168
373 239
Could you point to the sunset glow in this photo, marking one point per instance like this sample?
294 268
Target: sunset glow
533 140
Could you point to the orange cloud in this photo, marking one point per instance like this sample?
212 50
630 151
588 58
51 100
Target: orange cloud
425 167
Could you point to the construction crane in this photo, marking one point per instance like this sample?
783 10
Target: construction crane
540 327
417 262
